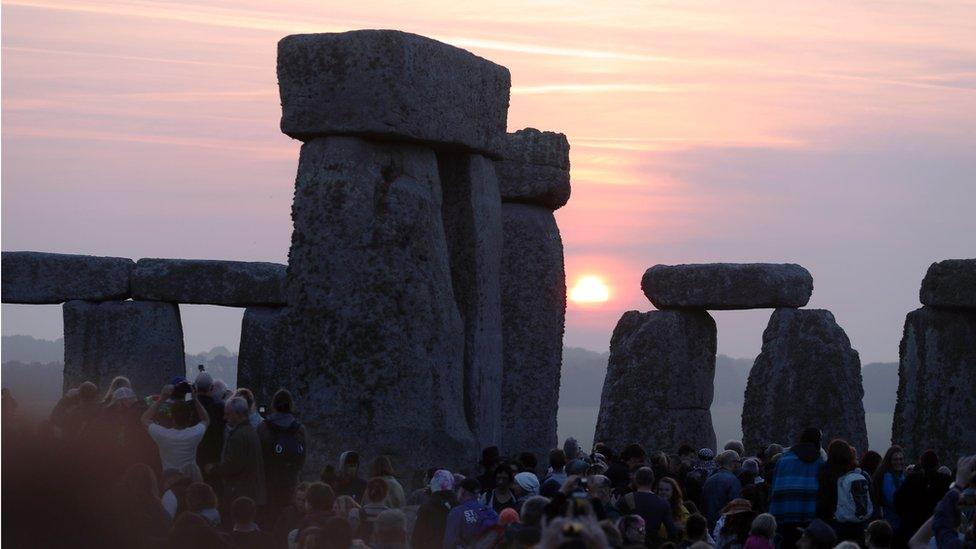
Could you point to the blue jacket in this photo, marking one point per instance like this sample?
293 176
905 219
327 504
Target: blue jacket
719 490
889 485
466 522
793 497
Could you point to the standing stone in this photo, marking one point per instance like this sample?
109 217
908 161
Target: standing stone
263 332
391 85
807 375
659 383
46 278
472 223
950 283
723 286
937 383
210 282
142 340
534 313
535 169
372 342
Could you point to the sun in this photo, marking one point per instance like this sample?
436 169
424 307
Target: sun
589 289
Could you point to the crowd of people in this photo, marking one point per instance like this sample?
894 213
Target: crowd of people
201 466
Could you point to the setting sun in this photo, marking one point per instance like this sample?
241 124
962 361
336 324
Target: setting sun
589 289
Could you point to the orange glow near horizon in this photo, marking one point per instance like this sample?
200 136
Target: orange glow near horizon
589 290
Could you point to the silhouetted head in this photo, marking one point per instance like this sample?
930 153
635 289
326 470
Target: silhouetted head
557 459
243 511
87 392
376 490
200 496
319 497
644 478
282 402
382 467
470 489
811 435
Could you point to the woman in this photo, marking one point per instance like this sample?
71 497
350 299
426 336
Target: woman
669 489
887 480
201 499
738 515
382 467
374 503
501 497
253 416
762 533
839 474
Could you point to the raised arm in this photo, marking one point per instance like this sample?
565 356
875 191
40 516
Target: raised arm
150 414
198 406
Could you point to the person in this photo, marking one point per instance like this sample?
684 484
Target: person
348 509
817 535
382 467
177 445
633 530
290 516
793 494
762 532
886 481
844 498
501 496
374 503
557 473
253 417
202 500
736 446
697 474
696 531
428 531
192 531
670 490
348 481
654 509
283 448
241 467
870 462
749 472
319 504
75 410
245 533
141 516
174 487
923 487
490 459
600 490
878 535
470 519
733 530
390 530
948 523
208 452
527 463
526 485
118 433
117 383
722 487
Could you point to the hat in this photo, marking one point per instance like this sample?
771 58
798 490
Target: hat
751 465
204 382
706 454
123 393
508 516
528 482
820 532
177 380
736 506
441 480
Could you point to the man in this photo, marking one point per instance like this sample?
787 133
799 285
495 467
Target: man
878 535
349 482
654 509
600 489
246 533
490 460
208 452
283 441
319 509
557 473
241 467
818 535
722 487
470 519
793 496
428 531
947 522
177 444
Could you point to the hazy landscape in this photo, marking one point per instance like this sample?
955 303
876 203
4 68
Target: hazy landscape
32 370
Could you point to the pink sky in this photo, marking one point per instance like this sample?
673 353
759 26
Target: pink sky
837 136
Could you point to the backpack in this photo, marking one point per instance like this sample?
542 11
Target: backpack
854 503
287 450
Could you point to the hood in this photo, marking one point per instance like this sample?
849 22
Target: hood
806 451
284 420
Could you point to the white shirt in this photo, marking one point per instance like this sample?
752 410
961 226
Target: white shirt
177 447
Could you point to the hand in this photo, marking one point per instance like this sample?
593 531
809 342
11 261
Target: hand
964 471
569 484
166 392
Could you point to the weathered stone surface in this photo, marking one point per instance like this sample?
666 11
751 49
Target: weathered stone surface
659 383
937 383
39 277
533 295
231 283
142 340
535 168
392 85
721 286
472 223
807 375
950 283
265 337
372 342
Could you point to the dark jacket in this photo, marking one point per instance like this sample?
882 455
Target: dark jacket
719 490
655 511
918 496
428 532
280 477
210 447
241 466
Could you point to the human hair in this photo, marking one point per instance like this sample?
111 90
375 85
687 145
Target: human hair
764 525
727 458
282 402
738 525
87 391
686 450
243 510
557 459
582 532
810 435
204 382
139 481
605 450
247 395
847 545
633 451
659 459
382 466
345 504
877 479
376 490
870 462
696 527
319 496
533 509
677 496
471 486
840 458
736 445
644 477
117 382
610 531
879 533
200 496
182 414
239 405
625 522
505 469
390 527
528 461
